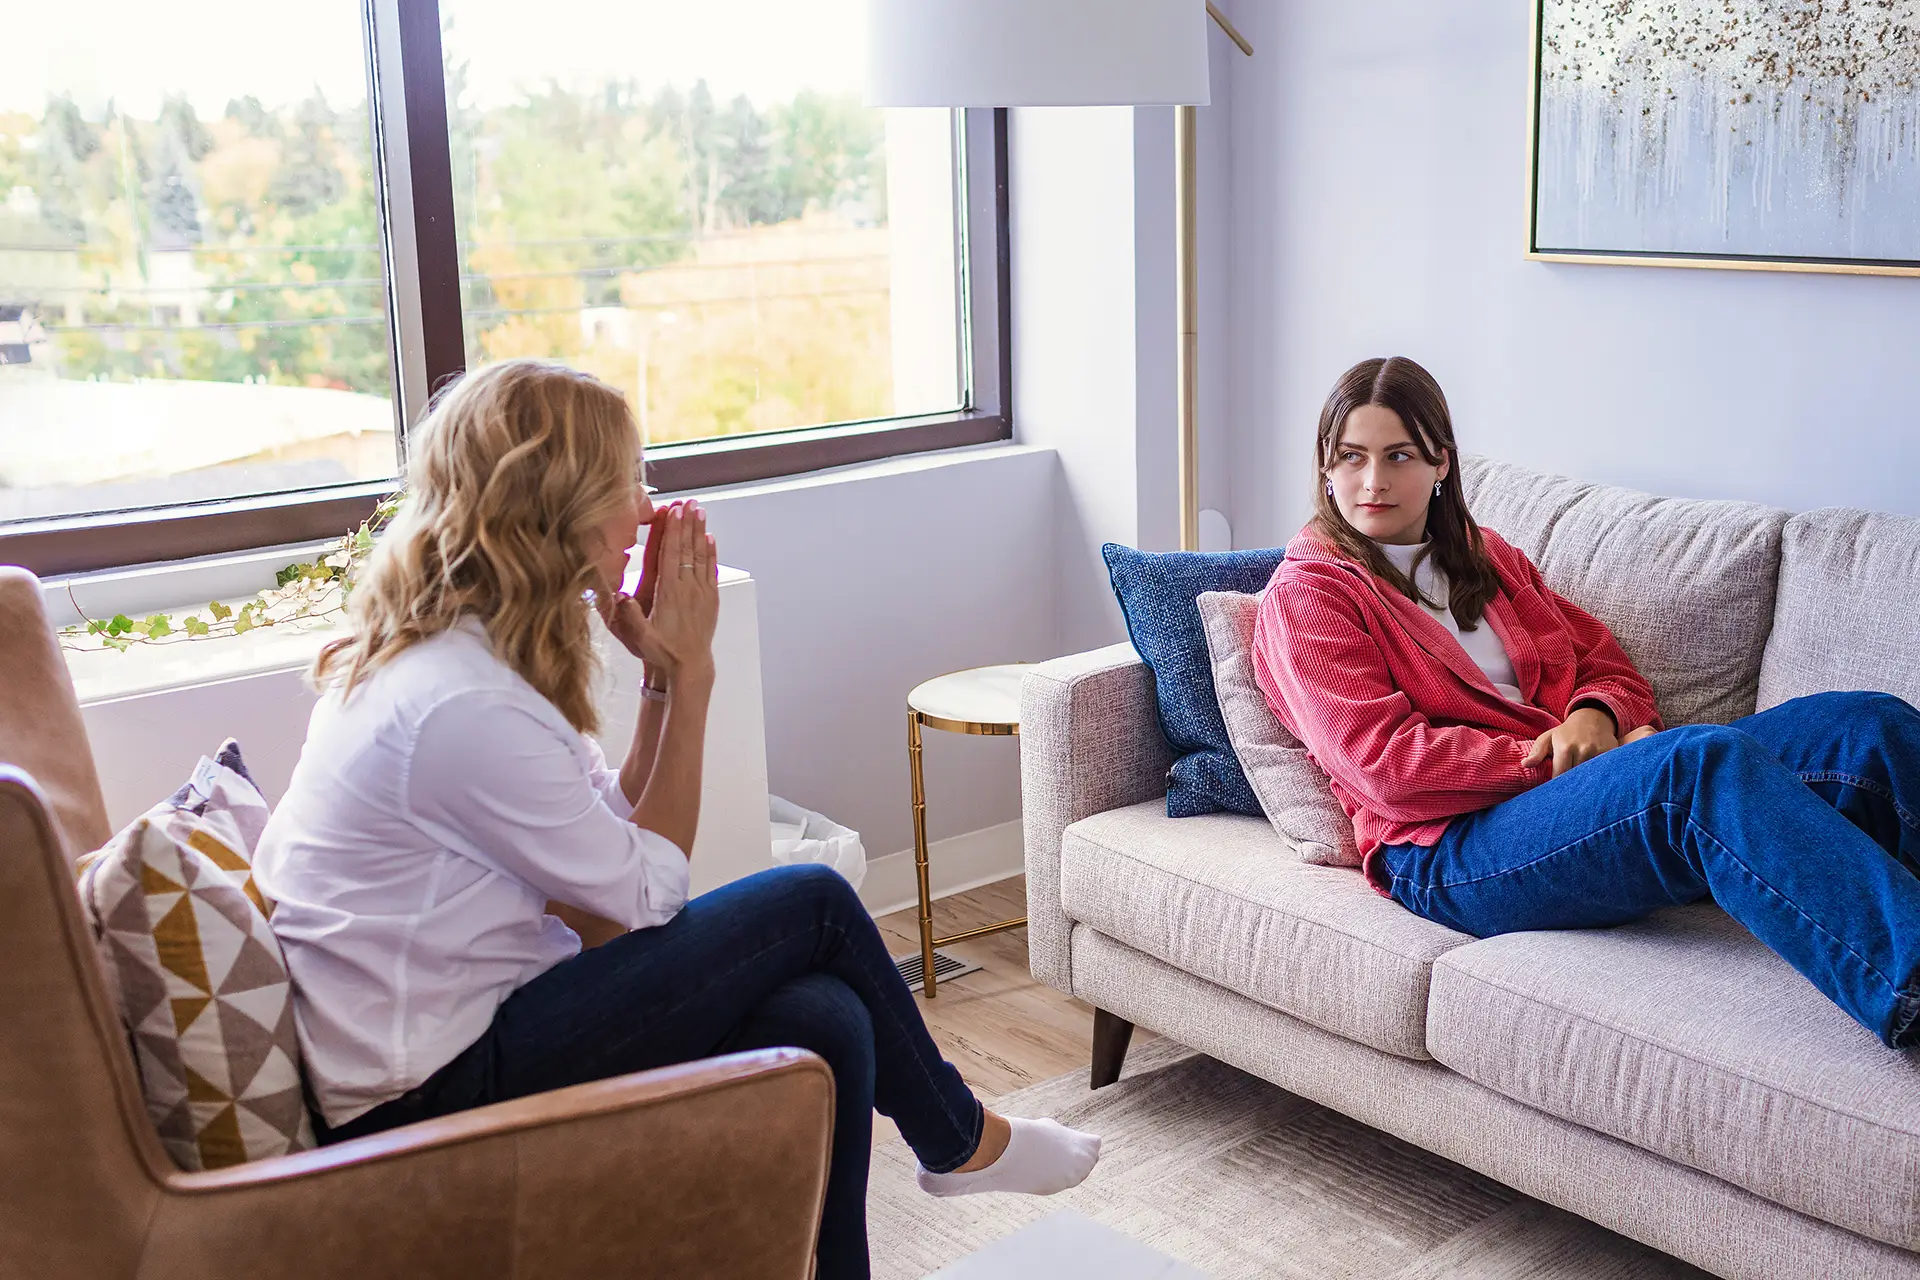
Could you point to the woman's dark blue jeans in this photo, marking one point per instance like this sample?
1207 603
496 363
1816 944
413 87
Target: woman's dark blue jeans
1802 823
785 957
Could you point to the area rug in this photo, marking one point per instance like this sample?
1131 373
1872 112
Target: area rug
1239 1178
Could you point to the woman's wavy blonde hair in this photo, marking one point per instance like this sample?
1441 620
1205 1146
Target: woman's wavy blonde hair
505 481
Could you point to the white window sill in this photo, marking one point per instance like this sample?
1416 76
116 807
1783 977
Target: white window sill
103 675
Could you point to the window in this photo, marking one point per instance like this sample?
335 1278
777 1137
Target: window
191 299
238 248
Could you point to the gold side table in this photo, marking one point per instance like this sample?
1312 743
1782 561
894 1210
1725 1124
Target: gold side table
984 701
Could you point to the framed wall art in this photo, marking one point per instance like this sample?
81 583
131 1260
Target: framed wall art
1767 134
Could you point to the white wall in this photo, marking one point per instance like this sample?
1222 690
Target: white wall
1379 201
1070 183
1094 333
870 584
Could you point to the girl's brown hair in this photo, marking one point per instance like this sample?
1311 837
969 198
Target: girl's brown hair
507 479
1456 546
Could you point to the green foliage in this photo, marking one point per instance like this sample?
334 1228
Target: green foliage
309 177
67 143
313 590
254 118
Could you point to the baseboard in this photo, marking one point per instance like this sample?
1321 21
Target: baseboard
954 865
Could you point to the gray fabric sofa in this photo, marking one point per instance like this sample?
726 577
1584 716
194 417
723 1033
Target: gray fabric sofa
1672 1080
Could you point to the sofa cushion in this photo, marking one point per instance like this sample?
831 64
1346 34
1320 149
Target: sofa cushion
1687 1037
1292 789
1848 613
1157 594
1220 897
1686 586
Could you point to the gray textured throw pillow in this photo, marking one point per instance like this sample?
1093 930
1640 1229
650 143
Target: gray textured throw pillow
1291 788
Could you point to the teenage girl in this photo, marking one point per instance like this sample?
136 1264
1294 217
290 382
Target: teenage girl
1505 766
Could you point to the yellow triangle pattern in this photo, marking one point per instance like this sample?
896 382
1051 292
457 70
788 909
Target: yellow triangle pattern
152 882
220 1141
188 1008
176 937
217 852
227 860
201 1089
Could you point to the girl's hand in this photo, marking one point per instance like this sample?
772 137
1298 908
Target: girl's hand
1585 734
675 635
1643 732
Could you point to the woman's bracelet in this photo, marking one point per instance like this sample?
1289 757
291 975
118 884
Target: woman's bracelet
651 691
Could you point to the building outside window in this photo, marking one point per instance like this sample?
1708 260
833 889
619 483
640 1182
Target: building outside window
218 231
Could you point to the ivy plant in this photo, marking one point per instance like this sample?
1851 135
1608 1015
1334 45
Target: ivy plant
314 591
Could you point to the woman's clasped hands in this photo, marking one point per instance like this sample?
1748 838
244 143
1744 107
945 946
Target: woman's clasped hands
668 622
1585 733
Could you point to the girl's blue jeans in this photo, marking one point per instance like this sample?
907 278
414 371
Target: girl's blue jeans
1802 823
785 957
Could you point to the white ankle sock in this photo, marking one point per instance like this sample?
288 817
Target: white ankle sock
1042 1157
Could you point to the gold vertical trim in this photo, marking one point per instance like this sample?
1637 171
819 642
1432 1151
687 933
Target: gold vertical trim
914 768
1226 25
1186 230
1186 145
1536 18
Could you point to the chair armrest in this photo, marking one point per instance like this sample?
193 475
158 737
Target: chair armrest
1090 741
711 1168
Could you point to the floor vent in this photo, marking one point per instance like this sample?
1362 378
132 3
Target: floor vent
946 967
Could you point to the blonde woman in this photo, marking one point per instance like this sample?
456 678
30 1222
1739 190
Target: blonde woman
449 789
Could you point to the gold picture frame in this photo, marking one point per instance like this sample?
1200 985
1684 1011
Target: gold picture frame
1661 258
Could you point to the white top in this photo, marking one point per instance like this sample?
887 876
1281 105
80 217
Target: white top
1481 644
430 818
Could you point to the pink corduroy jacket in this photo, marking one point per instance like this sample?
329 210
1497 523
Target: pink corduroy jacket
1407 726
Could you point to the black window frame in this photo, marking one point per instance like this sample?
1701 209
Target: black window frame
406 95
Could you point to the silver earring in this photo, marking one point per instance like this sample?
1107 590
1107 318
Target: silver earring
1329 488
1436 488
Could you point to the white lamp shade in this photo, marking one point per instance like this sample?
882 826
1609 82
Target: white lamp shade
1036 53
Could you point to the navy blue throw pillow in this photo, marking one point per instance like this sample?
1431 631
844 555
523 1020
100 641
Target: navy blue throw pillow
1157 593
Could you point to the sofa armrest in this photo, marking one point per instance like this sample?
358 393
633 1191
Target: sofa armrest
1090 740
712 1168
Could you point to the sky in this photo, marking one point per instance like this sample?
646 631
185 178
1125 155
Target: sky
135 51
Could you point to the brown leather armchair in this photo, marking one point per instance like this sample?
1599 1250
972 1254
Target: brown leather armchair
712 1169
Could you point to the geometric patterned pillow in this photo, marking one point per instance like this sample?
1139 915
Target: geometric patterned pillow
201 982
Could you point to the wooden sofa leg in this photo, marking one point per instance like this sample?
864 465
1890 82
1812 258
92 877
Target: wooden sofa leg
1111 1035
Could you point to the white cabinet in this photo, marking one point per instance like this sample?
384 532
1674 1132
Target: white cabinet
732 841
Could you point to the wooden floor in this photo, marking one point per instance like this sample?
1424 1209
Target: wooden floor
1000 1025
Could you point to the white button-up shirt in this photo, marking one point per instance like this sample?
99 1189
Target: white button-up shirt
431 817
